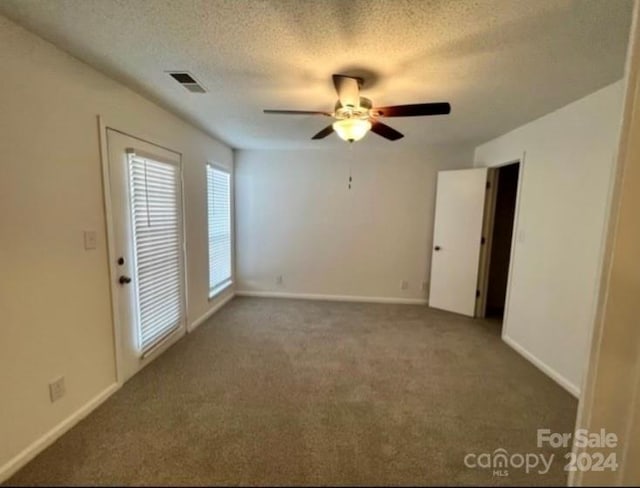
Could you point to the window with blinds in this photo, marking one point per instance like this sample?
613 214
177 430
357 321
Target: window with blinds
157 234
219 217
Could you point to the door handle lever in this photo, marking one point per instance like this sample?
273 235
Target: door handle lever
124 280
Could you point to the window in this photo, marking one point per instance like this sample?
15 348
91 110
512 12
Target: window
157 235
219 220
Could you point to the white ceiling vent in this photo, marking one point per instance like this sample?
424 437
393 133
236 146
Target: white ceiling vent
187 80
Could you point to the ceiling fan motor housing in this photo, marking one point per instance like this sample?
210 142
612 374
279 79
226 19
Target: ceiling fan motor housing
359 112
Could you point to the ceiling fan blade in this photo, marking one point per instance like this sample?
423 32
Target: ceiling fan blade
385 131
413 110
324 132
296 112
348 90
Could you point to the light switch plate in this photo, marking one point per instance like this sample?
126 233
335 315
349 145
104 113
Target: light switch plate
90 239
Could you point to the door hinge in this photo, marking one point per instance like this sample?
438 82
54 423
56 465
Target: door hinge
477 293
488 185
482 241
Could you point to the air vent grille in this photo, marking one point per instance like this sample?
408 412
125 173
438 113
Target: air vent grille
194 88
187 80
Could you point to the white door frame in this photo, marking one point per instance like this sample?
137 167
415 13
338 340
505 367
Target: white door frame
111 251
487 242
516 217
514 234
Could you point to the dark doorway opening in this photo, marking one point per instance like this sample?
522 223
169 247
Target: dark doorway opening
501 239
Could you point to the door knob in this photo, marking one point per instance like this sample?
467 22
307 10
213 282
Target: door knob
124 280
437 248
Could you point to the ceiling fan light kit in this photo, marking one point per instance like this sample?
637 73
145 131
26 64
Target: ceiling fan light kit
351 130
356 115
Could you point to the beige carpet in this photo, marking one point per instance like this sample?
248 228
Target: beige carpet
284 392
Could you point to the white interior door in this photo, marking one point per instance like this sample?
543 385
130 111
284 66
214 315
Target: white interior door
457 236
145 186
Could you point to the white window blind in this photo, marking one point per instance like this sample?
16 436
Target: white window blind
219 216
157 233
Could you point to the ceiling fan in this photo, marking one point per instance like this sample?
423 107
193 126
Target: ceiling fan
355 115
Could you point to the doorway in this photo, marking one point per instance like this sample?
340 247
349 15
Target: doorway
146 254
500 239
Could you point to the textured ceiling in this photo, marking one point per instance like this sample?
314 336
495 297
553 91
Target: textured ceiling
500 63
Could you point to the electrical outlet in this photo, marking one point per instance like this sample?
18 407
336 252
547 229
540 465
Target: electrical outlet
279 280
425 285
57 389
404 285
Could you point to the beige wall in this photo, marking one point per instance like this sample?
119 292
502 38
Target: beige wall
296 217
54 295
565 186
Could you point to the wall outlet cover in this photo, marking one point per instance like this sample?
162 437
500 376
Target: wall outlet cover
90 239
57 389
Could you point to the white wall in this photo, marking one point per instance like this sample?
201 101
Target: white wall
54 295
611 392
296 217
564 198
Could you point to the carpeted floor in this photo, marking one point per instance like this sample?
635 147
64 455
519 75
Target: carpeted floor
284 392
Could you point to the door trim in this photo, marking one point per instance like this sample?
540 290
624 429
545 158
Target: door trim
487 242
108 217
483 280
103 127
516 227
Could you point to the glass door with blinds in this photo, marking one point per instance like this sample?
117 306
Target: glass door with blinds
146 202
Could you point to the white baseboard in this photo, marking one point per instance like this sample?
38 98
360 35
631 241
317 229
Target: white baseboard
196 323
39 445
548 370
332 298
